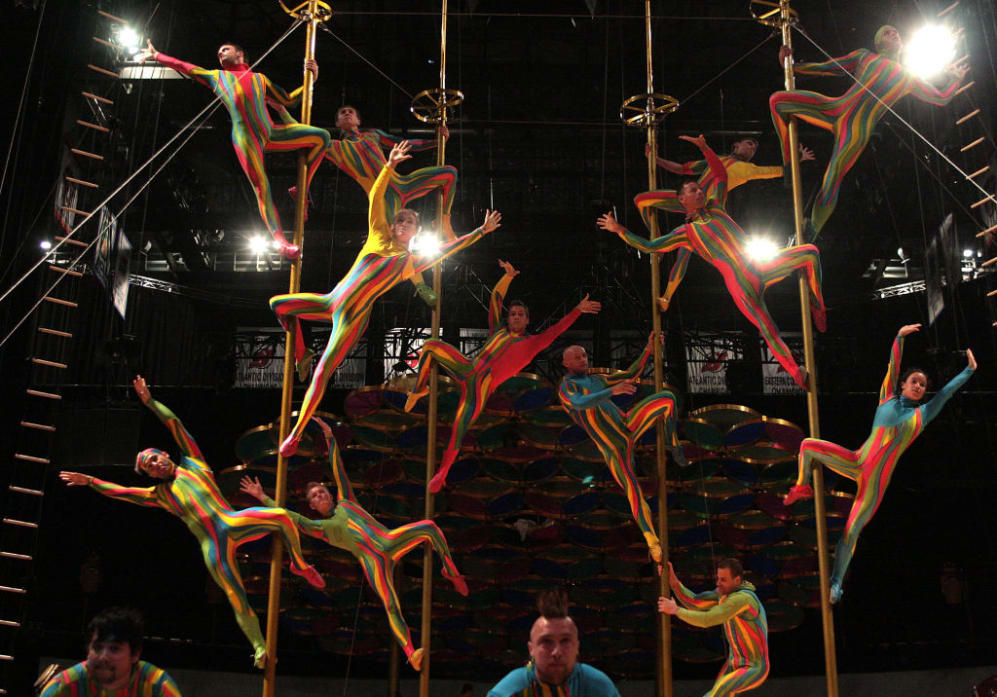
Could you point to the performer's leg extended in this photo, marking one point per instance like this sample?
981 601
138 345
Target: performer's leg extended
379 571
224 569
851 135
474 393
867 499
421 182
447 357
645 414
250 157
298 136
739 680
663 199
805 257
619 458
400 541
811 107
253 523
292 308
838 459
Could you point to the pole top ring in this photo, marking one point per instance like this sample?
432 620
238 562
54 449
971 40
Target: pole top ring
769 12
309 10
430 106
643 110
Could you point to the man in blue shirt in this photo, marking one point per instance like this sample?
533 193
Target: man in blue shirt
553 670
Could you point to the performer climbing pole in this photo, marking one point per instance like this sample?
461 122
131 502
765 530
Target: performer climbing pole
648 110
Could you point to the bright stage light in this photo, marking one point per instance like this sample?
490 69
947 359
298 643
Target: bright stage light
967 253
930 50
45 244
761 248
258 244
128 38
425 244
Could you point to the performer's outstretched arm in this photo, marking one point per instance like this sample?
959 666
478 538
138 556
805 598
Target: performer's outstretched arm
717 169
498 296
887 389
493 220
666 243
252 486
734 605
573 397
388 140
936 403
834 66
169 419
139 495
694 601
344 490
208 78
637 367
930 94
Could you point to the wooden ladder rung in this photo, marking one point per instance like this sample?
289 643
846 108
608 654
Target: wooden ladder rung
82 182
982 201
55 332
71 240
19 523
50 364
988 230
976 142
97 98
118 19
84 153
968 116
63 269
10 589
105 71
32 458
25 490
96 127
989 262
15 555
942 13
104 42
60 301
43 395
9 623
38 427
77 211
992 293
965 87
978 172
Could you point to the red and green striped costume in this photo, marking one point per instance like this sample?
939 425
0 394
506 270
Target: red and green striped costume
244 94
898 421
381 264
146 681
743 617
714 236
194 497
503 355
880 82
377 548
588 401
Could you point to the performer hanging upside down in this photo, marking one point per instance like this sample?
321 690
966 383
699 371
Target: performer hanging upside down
377 548
588 401
879 82
735 605
507 350
711 234
189 491
739 171
382 263
360 154
245 93
899 420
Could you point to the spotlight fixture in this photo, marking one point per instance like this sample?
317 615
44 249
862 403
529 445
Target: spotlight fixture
258 244
45 244
930 50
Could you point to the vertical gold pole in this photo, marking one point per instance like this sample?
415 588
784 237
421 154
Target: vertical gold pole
827 618
664 682
273 598
431 415
393 659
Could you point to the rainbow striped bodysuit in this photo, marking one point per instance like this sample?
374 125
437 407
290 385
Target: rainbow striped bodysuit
746 628
897 423
880 82
588 401
503 355
146 681
376 547
194 497
381 264
714 236
244 94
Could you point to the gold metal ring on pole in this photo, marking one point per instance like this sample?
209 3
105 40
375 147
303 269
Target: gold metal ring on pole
642 110
428 106
769 13
303 11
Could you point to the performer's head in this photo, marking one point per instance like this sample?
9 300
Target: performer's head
347 118
744 149
155 463
231 54
319 498
553 639
517 317
115 646
729 575
888 41
405 225
691 195
913 384
575 360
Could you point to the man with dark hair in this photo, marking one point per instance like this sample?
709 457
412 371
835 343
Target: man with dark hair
507 350
113 665
553 668
735 605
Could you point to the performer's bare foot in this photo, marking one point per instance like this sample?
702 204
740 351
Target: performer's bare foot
836 592
304 365
458 582
310 574
653 546
416 659
438 481
427 294
664 302
414 397
290 446
797 492
260 657
820 318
